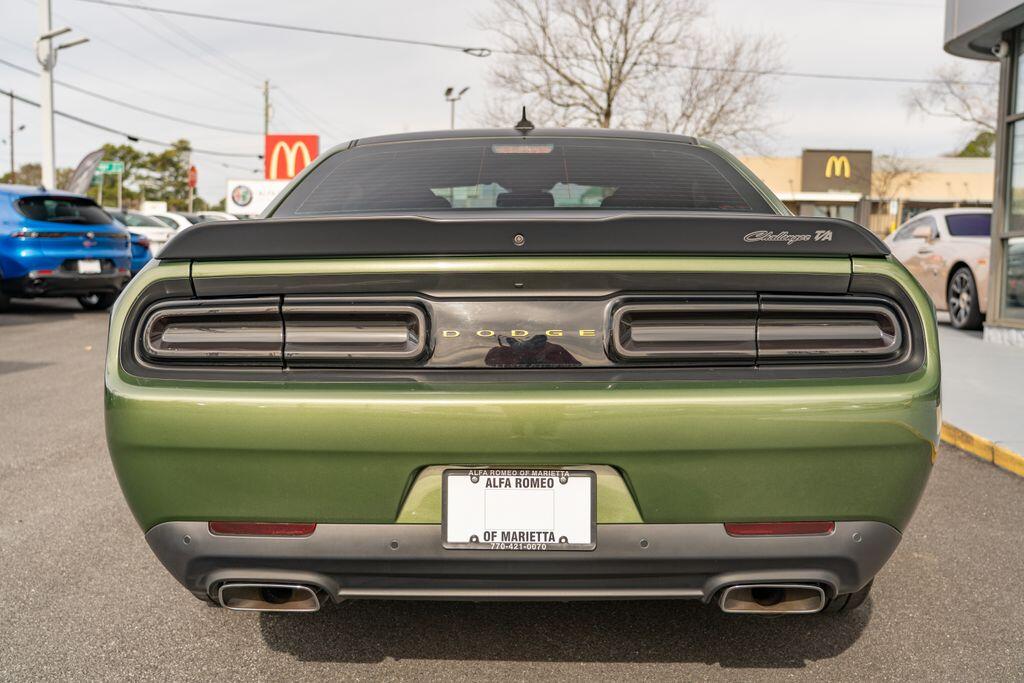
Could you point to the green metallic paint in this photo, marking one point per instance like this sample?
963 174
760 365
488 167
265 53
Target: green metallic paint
525 264
690 451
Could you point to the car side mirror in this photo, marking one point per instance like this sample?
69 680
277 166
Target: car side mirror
923 233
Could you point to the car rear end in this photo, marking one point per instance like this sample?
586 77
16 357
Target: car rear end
54 244
677 394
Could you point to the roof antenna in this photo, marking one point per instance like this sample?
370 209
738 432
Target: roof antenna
525 125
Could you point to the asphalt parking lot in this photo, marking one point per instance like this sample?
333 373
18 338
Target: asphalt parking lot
85 598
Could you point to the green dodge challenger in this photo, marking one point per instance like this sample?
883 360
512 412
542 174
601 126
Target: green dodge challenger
524 364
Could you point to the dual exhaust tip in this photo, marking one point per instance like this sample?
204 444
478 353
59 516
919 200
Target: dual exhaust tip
773 598
269 597
750 598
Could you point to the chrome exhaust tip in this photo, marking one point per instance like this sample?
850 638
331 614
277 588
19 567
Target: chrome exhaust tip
268 597
773 598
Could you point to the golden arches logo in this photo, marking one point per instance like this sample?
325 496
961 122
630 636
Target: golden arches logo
291 156
838 166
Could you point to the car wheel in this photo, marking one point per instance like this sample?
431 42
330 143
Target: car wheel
962 296
849 601
5 302
97 302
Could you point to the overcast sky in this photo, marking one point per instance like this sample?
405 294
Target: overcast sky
343 88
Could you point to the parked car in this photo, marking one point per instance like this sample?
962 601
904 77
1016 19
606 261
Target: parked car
947 250
175 219
525 364
141 252
59 244
216 216
154 230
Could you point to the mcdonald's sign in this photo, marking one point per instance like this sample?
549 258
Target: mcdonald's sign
837 166
844 170
284 156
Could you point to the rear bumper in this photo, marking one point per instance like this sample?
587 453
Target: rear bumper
65 284
631 561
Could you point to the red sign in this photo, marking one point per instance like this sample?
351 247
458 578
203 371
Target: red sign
284 156
193 176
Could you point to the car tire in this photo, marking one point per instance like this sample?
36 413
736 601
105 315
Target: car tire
849 601
97 302
5 302
962 300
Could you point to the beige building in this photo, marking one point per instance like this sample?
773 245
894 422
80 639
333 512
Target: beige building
877 192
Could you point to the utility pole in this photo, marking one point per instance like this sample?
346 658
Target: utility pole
14 177
266 107
46 55
450 97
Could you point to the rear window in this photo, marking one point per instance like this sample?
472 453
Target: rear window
513 173
67 210
969 224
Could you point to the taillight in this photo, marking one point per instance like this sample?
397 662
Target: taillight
320 331
758 330
699 329
779 528
301 332
263 528
805 329
143 242
24 234
238 330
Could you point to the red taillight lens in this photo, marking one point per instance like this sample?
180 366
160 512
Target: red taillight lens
778 528
262 528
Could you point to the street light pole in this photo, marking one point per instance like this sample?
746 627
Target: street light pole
47 58
14 178
452 98
46 55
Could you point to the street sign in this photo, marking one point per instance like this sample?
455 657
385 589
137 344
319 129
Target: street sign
193 176
110 167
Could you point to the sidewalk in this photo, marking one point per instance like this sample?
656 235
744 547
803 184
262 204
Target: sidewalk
982 387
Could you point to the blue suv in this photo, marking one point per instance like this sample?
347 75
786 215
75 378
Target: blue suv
60 244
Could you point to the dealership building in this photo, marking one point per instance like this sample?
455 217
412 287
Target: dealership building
994 30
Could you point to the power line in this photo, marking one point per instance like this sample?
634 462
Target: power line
809 74
487 51
133 54
129 105
176 45
192 104
130 136
473 51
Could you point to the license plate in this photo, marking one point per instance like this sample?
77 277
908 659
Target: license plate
519 509
89 266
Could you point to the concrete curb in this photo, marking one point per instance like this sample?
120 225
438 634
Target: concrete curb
980 447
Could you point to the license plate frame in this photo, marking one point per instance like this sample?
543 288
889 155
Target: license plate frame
89 266
573 476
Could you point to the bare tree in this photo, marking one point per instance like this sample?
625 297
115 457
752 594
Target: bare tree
891 174
967 96
724 98
624 63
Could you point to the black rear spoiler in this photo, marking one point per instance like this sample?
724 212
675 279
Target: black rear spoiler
487 234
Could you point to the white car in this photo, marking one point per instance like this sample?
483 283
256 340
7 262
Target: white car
947 250
216 216
157 232
175 220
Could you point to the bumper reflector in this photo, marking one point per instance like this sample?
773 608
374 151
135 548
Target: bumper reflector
778 528
262 528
